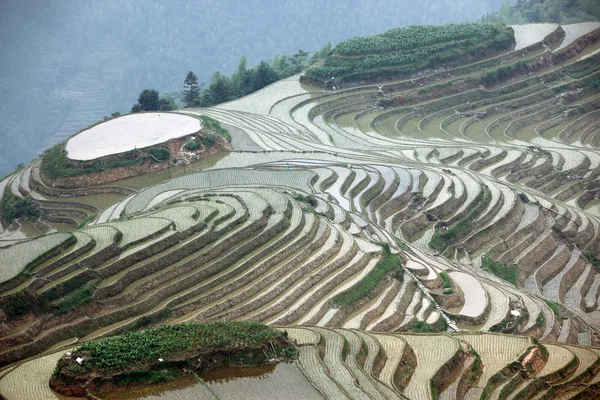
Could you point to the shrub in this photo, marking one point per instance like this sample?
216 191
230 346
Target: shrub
592 259
192 145
420 327
14 207
160 153
209 141
18 304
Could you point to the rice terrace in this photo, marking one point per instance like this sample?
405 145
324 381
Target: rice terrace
417 216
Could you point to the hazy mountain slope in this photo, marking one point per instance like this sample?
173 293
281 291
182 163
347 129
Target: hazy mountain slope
64 67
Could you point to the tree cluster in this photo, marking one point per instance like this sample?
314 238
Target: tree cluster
149 100
14 207
246 80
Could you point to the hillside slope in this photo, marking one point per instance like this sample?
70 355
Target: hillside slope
458 199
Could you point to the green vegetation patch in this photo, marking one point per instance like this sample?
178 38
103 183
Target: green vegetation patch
55 163
413 48
592 259
508 272
87 220
214 126
552 305
159 153
503 73
77 298
14 207
416 326
388 263
139 348
442 239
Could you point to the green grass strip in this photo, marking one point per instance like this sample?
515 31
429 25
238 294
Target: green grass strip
504 271
389 262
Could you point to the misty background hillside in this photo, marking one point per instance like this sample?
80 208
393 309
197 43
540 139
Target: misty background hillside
65 65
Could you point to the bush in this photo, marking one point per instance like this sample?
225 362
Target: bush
420 327
14 207
192 145
160 153
446 280
18 304
209 141
592 259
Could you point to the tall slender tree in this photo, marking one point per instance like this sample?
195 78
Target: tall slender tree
191 90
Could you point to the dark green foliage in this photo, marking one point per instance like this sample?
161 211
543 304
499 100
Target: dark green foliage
172 341
310 199
191 91
209 141
388 263
159 154
149 100
445 280
420 327
14 207
408 38
592 259
504 271
264 75
219 91
410 49
77 298
503 73
192 145
66 287
540 319
18 304
245 81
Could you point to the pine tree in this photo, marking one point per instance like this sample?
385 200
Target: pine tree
191 91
